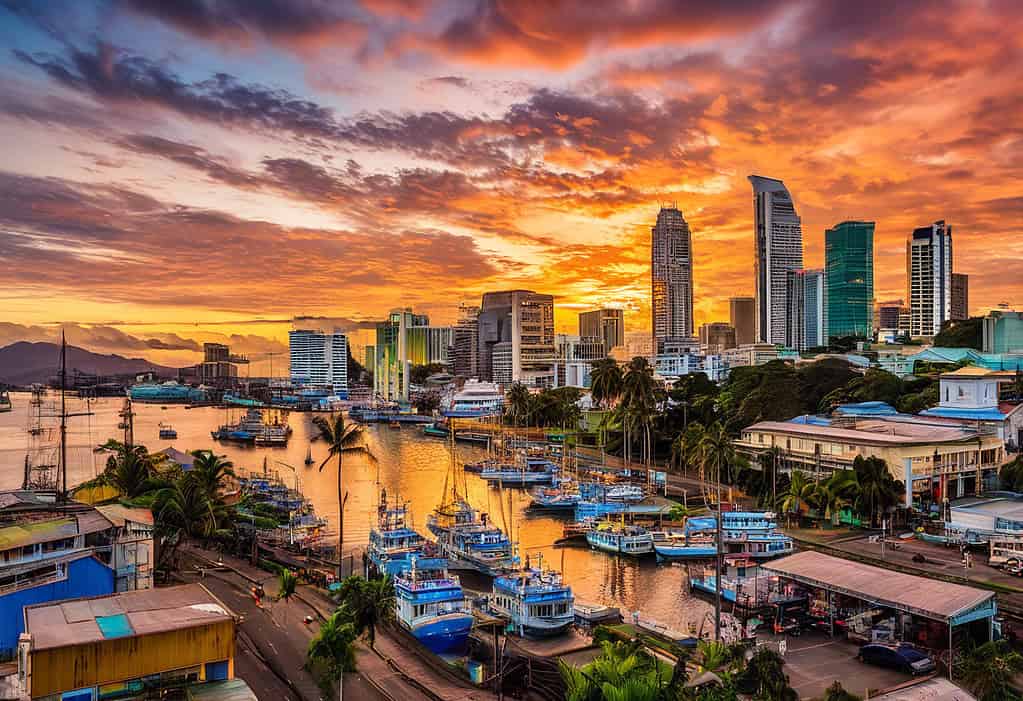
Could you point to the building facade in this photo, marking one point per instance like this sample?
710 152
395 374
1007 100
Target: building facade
464 353
742 313
717 336
778 241
849 279
805 309
960 308
605 324
575 356
516 338
319 359
405 339
929 278
671 276
1003 332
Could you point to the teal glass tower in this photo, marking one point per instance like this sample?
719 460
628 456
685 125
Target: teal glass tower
849 279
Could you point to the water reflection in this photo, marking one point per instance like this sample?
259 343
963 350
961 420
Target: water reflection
408 464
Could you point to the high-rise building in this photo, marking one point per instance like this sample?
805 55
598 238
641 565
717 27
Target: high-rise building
805 311
605 324
960 297
717 336
516 338
778 249
465 342
319 359
849 280
1002 331
929 278
671 276
742 313
888 314
403 340
575 356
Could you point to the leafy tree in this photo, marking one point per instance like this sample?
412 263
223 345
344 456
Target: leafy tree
517 403
685 449
606 381
342 439
427 402
799 488
287 583
718 453
990 670
840 491
765 678
878 490
820 378
1011 475
769 392
875 385
211 472
367 603
915 403
624 671
967 333
835 692
419 373
334 646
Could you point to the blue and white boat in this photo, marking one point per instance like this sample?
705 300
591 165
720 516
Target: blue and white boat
535 602
677 545
742 582
470 541
530 470
620 539
751 533
393 543
563 495
431 605
476 399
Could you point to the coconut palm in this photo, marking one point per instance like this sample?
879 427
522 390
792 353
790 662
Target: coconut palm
717 453
342 438
606 381
839 492
211 472
183 510
287 583
367 603
685 449
765 678
518 402
990 670
878 489
334 646
622 672
799 487
131 469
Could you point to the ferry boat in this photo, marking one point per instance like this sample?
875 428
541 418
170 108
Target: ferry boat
676 545
167 432
742 582
431 605
5 401
253 428
476 399
393 542
165 393
622 539
531 470
469 541
536 602
752 533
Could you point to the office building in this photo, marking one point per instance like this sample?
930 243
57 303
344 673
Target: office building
319 359
464 351
743 314
960 308
778 239
717 336
893 316
575 356
805 310
218 368
403 340
1002 332
516 338
849 280
605 324
671 277
929 278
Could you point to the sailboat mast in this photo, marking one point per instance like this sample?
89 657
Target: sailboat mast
63 417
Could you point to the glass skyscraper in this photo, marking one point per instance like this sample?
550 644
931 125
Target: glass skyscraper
849 279
778 249
671 277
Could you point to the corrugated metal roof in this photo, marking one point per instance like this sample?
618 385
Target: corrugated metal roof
936 689
92 521
872 432
230 690
147 611
37 532
119 513
930 597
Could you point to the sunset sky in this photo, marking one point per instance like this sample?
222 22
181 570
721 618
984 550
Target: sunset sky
174 172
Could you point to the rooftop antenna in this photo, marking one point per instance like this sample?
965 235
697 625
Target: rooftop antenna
63 418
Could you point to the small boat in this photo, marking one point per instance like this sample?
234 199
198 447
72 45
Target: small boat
167 432
394 423
620 539
535 602
5 401
470 541
563 496
663 632
676 545
309 456
740 582
532 470
472 437
435 431
592 614
431 605
393 542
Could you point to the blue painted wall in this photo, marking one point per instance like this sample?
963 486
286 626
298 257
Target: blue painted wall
86 577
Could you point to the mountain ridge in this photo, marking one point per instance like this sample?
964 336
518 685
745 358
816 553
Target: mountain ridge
26 362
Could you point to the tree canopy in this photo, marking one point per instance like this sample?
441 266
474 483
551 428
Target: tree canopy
967 333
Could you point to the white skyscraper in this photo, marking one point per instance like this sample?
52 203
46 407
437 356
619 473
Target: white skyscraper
779 249
319 359
929 278
671 277
805 315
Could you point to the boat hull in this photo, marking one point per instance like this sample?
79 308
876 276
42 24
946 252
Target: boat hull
444 634
684 552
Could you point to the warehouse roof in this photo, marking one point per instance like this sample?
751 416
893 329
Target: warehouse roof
130 613
117 514
927 597
872 432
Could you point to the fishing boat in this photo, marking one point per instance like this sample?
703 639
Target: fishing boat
563 495
253 428
587 614
431 605
535 601
751 533
677 545
5 401
531 470
435 430
393 542
472 437
741 581
309 456
620 538
167 432
470 541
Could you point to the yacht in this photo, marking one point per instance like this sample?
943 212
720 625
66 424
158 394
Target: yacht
476 399
618 538
535 602
469 541
431 605
529 471
253 428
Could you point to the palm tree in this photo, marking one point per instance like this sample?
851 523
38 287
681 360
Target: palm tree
990 670
334 646
799 487
341 438
765 677
718 453
518 401
878 489
622 672
211 471
287 582
606 381
367 603
131 469
838 493
185 508
836 692
685 449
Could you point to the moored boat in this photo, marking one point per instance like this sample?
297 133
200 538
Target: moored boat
470 541
535 601
167 432
393 543
431 606
621 539
676 545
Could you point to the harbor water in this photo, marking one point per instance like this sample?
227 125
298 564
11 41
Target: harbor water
408 464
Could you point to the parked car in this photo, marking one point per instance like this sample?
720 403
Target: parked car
1013 566
897 656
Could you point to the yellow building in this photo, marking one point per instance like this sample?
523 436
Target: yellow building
948 459
125 644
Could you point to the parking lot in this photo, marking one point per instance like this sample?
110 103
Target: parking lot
813 661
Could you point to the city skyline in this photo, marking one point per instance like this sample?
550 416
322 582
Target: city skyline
198 176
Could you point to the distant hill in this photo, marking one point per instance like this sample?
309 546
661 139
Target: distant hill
23 363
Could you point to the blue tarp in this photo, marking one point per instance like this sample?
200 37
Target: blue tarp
116 626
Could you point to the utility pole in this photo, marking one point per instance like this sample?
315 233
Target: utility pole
719 547
63 418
